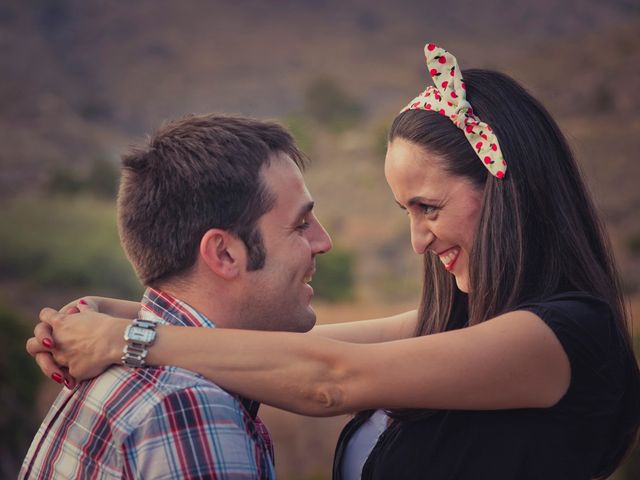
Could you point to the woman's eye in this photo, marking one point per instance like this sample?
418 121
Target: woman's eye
423 208
427 209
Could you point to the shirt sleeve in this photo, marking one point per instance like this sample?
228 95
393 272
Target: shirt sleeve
585 328
195 432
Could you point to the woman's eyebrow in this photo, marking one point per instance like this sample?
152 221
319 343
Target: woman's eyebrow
418 201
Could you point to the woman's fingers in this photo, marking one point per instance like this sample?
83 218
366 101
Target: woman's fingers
42 347
44 335
49 315
87 304
46 361
78 343
73 307
35 346
48 366
68 309
69 381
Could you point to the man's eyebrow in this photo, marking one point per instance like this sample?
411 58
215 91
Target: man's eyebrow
304 210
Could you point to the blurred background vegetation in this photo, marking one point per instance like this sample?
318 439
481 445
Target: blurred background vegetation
83 80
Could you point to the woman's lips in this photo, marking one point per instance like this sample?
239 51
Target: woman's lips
449 257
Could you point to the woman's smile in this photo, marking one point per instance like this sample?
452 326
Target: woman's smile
449 257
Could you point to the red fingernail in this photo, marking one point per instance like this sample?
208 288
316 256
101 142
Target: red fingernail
82 302
56 377
47 342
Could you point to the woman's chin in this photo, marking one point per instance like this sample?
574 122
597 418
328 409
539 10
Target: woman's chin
462 281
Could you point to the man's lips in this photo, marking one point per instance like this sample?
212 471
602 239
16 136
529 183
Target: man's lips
309 276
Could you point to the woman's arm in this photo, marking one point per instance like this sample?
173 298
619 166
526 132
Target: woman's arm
113 306
376 330
363 331
512 361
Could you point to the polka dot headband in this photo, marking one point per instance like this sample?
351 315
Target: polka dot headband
449 97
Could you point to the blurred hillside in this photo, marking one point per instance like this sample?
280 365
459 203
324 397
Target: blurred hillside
82 80
79 78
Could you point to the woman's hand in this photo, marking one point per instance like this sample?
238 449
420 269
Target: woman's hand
84 341
39 346
94 303
111 306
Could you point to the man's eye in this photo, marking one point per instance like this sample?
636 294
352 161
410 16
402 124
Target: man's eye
303 225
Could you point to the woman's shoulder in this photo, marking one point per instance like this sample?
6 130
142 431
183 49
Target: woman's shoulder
575 310
569 298
586 326
588 330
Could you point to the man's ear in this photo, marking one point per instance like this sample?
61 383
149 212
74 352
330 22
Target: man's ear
222 252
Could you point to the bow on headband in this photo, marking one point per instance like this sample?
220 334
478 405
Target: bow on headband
448 97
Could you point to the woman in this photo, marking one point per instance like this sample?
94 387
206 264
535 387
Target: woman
521 365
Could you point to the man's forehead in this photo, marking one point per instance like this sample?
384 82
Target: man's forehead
284 179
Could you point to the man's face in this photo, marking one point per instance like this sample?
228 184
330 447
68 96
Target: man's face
279 295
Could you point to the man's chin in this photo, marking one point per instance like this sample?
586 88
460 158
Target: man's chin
306 320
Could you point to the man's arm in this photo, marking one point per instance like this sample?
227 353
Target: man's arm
199 431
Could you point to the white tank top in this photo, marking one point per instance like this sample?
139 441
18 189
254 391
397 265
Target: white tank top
361 443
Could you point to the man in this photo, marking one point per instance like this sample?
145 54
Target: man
215 217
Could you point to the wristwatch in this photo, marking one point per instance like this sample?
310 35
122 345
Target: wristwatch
139 336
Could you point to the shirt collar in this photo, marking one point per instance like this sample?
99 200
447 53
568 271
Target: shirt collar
161 307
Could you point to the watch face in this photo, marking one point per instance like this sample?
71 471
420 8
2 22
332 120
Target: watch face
141 335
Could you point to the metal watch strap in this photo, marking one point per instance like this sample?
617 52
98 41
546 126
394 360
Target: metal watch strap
135 351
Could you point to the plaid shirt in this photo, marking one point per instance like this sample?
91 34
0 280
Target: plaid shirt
163 422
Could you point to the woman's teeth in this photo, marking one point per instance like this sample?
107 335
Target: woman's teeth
449 257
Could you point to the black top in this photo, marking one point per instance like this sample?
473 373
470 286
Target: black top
563 442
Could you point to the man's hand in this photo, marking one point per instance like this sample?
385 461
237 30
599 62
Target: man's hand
78 338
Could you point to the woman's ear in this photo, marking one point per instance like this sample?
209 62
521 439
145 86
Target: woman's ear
222 252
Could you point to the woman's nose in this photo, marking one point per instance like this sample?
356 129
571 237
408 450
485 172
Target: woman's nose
421 238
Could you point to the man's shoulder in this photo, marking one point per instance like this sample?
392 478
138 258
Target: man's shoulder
129 397
149 386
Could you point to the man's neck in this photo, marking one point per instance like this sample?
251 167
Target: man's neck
208 302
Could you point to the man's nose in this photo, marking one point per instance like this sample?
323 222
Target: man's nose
321 241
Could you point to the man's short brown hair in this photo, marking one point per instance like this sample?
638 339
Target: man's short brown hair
197 173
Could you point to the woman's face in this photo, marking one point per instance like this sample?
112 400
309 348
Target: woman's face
443 209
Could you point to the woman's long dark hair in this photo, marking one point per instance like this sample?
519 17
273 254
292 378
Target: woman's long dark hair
538 233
